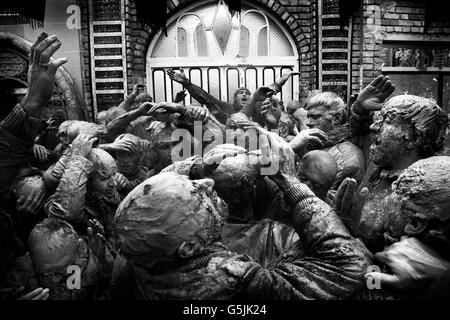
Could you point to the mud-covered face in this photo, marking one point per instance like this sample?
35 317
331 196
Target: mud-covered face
399 213
321 118
390 143
242 98
314 179
128 163
104 184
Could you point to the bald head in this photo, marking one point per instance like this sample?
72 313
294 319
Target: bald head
318 169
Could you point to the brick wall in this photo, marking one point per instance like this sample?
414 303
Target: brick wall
86 58
381 20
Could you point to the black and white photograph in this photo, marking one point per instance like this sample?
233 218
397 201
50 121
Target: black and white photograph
241 151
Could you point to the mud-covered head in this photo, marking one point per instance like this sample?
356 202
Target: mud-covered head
241 98
63 135
54 248
102 181
408 124
422 195
140 99
318 170
235 179
77 127
29 180
169 217
325 111
129 162
162 145
292 106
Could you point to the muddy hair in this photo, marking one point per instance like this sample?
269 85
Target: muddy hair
330 101
50 225
429 121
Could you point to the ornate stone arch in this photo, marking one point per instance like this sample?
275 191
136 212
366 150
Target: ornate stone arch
227 65
141 35
65 100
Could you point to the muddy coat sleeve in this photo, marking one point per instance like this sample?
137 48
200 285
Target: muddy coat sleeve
53 174
360 130
331 267
17 132
219 109
68 201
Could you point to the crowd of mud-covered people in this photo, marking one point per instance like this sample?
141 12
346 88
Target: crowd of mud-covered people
311 199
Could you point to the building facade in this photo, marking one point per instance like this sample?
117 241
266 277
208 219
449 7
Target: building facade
110 50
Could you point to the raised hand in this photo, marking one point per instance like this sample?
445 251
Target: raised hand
271 113
179 77
344 197
145 108
167 107
179 97
284 77
414 265
82 144
374 95
137 88
96 238
153 125
308 139
32 203
198 113
120 146
213 158
40 152
274 149
122 182
36 294
41 73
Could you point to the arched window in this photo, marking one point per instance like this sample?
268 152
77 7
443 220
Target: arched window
244 42
225 52
263 46
182 42
200 41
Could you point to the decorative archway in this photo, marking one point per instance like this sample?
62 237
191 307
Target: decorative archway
14 52
221 53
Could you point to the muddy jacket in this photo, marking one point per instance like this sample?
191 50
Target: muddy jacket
72 201
17 133
219 109
367 203
268 201
325 263
287 125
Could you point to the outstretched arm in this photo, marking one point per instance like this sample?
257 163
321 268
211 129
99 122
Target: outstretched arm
68 201
219 109
120 124
369 100
127 103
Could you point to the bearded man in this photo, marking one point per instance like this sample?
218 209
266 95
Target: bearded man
410 128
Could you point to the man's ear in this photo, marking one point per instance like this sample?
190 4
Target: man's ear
187 249
416 227
337 118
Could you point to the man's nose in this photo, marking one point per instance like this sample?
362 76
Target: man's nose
375 127
112 182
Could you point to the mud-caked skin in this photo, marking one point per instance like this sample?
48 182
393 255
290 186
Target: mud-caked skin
410 128
177 253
